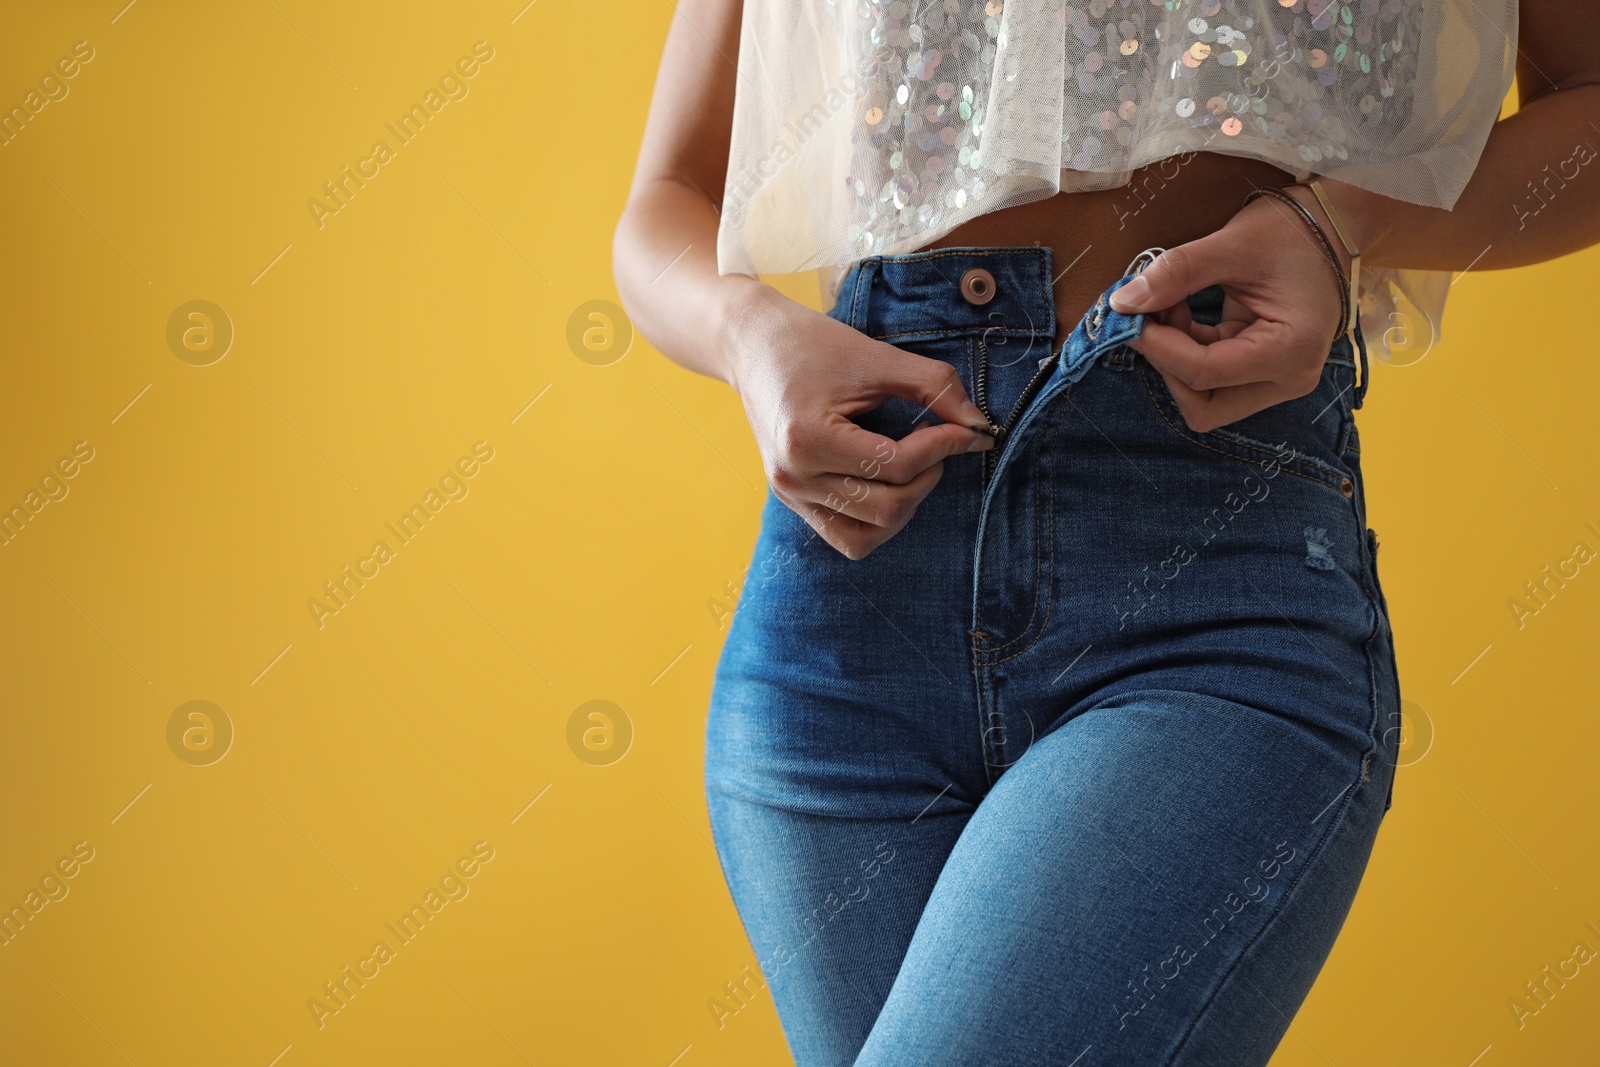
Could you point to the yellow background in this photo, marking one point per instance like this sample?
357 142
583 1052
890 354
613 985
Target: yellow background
373 752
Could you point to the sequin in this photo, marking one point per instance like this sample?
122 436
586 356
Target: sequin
883 135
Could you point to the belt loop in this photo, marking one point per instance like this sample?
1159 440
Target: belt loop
1361 345
864 270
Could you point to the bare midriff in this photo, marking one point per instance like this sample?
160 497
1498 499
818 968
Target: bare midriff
1094 235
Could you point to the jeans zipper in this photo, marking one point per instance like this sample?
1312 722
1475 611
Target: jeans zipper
980 387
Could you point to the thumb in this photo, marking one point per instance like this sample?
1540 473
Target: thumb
1174 274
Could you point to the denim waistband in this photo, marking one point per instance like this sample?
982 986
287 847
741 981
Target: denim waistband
889 298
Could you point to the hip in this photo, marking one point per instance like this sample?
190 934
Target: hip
1102 546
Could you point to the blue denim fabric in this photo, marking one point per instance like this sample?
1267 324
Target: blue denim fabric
1084 766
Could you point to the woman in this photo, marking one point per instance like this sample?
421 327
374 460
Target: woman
1073 750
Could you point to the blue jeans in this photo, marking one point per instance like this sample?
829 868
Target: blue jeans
1083 766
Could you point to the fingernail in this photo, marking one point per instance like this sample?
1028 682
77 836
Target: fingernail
1131 297
974 415
981 444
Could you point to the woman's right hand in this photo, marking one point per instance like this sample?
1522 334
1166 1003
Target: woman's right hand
802 375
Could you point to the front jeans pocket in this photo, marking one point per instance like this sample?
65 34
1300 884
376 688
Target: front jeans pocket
1306 436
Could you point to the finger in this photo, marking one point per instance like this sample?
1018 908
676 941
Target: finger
881 504
851 450
1234 318
856 537
1179 316
1174 274
932 383
849 536
1254 355
1204 411
1234 310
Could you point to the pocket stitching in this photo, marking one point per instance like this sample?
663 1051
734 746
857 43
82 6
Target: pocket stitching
1243 441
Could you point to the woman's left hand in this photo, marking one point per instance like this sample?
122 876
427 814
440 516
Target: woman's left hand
1279 315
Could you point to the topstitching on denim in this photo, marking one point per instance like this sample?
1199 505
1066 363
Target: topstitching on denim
1298 463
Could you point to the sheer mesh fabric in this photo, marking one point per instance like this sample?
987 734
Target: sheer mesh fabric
863 127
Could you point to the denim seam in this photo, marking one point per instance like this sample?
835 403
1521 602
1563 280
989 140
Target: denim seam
1045 295
1381 618
1241 441
957 331
1038 567
863 280
1049 527
1034 610
1334 824
984 697
1038 251
968 251
1347 418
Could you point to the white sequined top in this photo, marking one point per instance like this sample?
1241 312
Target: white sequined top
866 127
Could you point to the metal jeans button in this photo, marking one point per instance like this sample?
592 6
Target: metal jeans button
977 286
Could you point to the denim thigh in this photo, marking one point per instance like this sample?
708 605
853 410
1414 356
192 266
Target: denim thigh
1107 677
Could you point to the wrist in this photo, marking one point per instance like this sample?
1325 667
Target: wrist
1336 255
740 305
1308 200
1367 217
